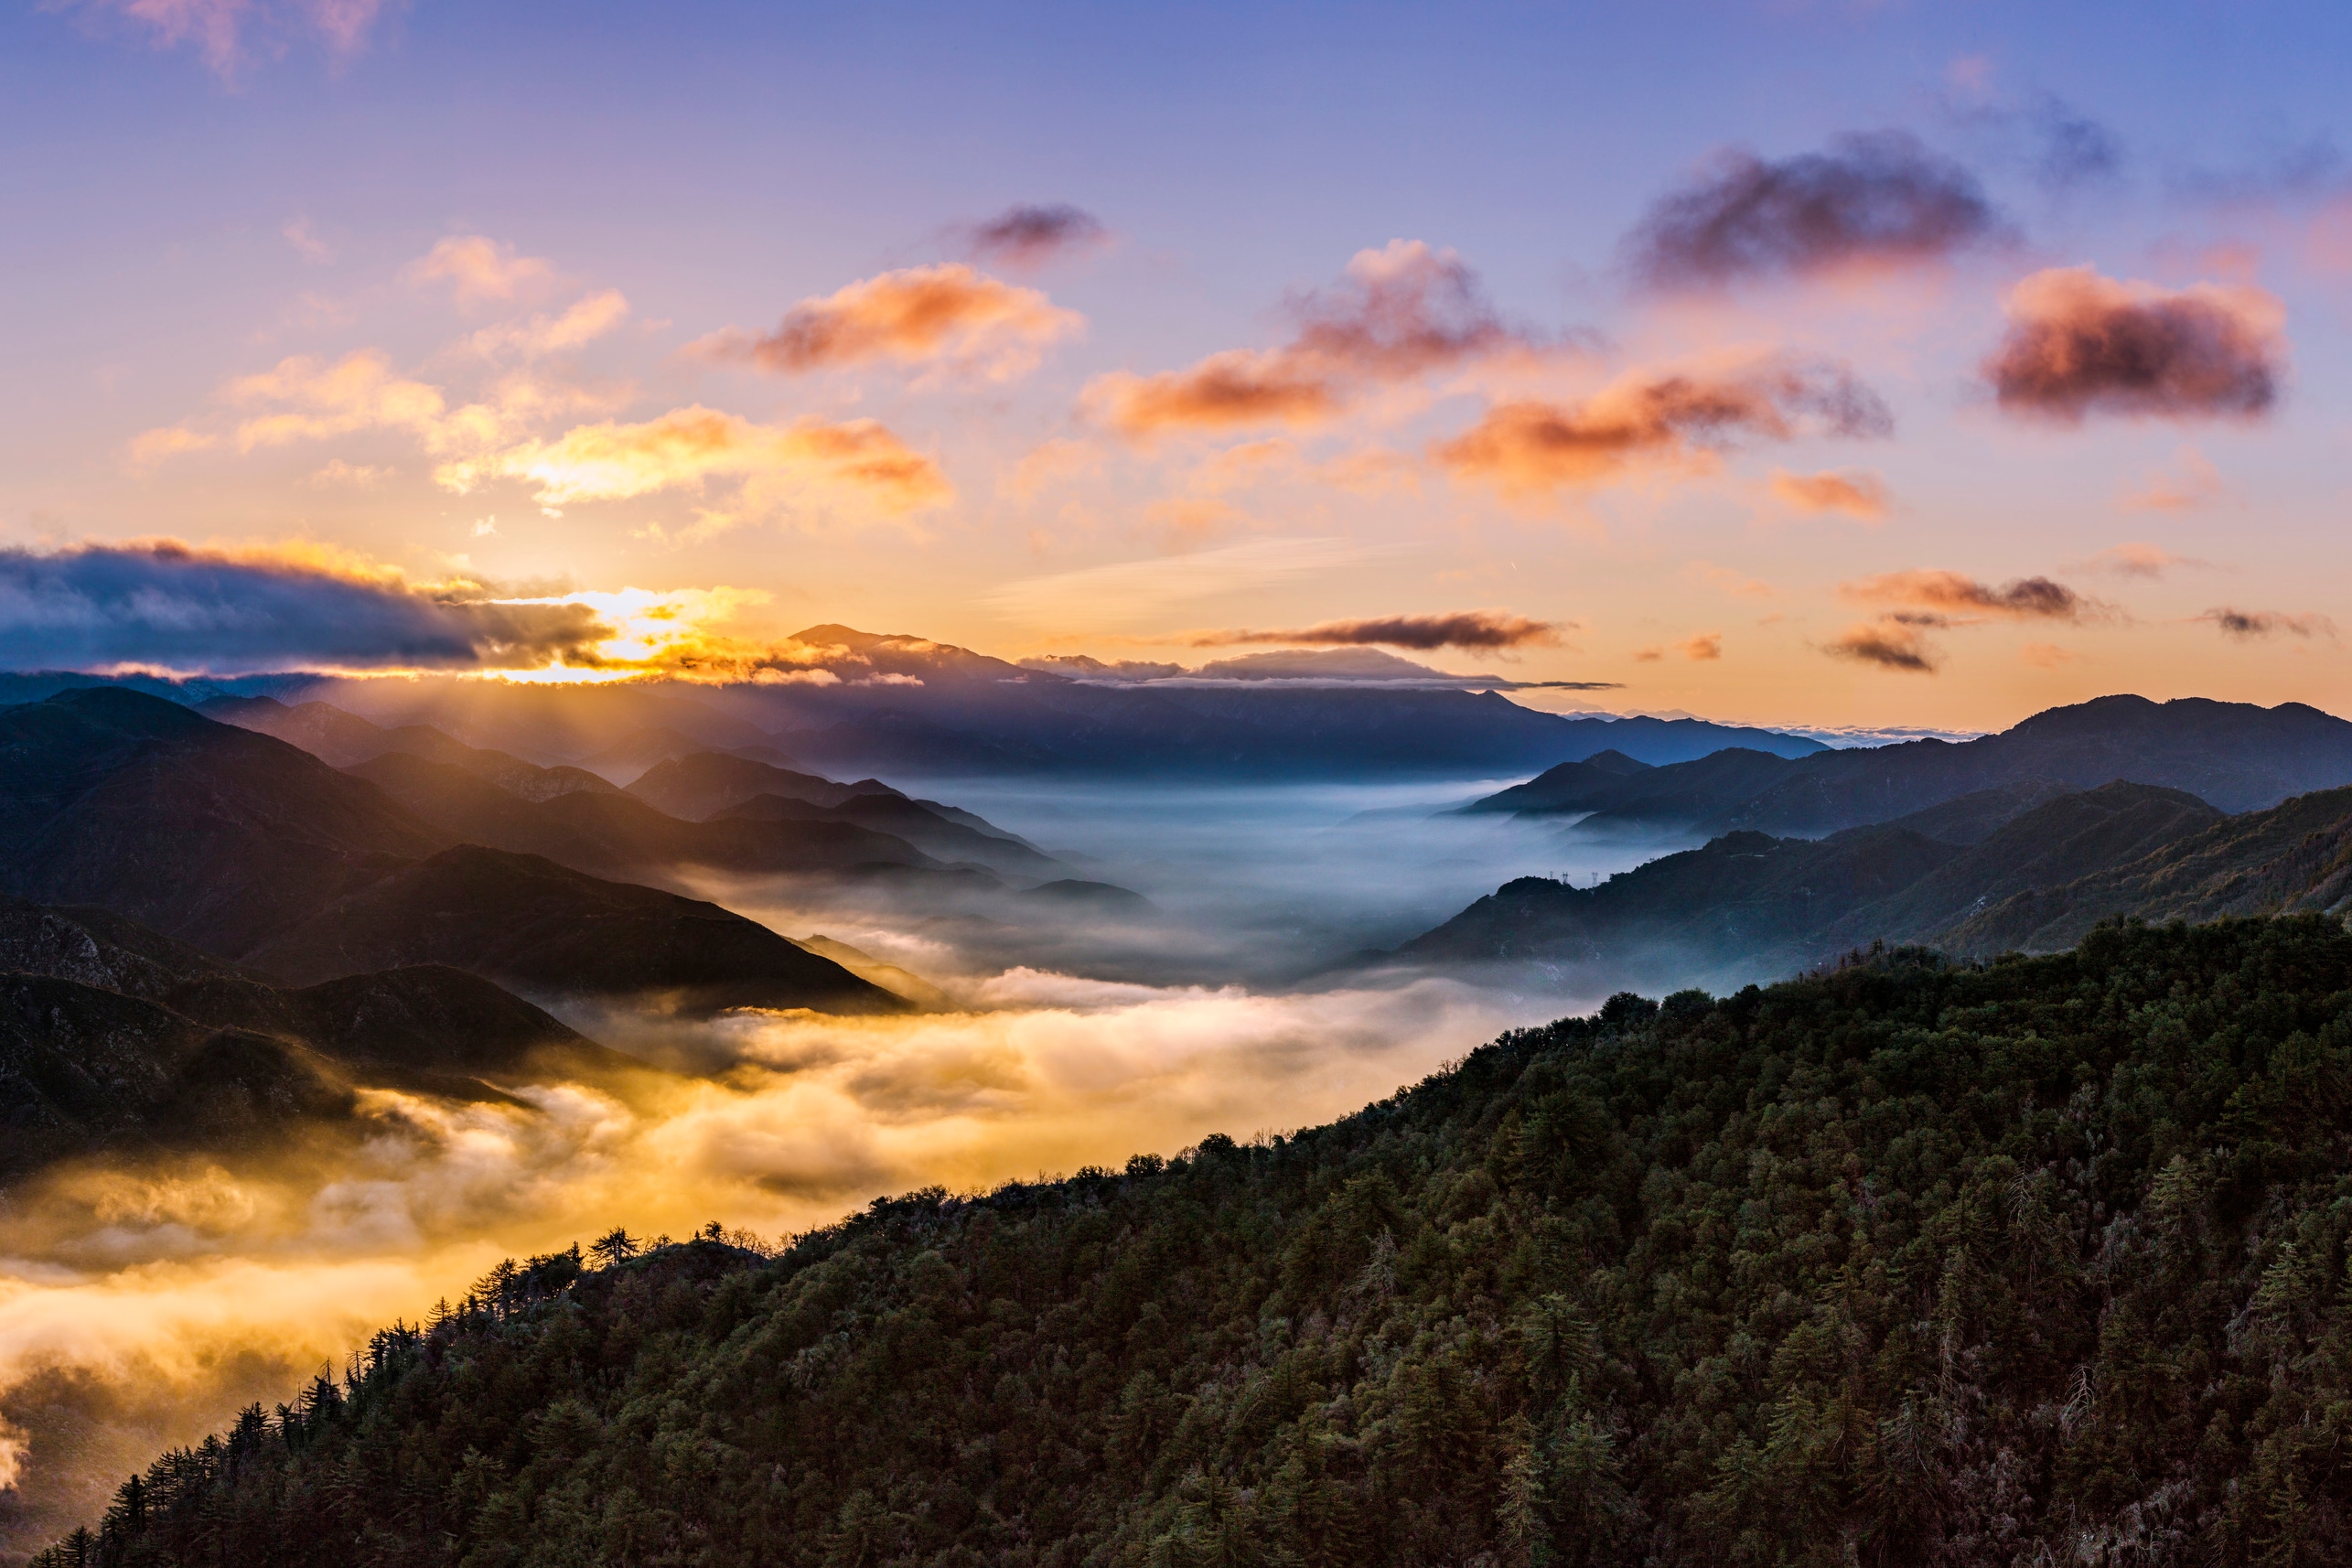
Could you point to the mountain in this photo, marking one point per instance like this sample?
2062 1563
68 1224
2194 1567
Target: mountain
640 749
545 930
702 783
1566 787
115 1036
247 847
907 706
210 833
2238 756
344 740
2295 856
1749 906
2036 1263
619 836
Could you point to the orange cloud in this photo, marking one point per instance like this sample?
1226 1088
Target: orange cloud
1851 492
1478 630
1660 419
948 312
359 392
2079 343
1401 312
858 462
1951 593
1703 646
2046 655
582 324
479 268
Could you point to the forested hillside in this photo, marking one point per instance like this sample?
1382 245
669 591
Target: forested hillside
2039 1262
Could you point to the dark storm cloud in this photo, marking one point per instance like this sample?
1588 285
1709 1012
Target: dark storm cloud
1870 199
171 605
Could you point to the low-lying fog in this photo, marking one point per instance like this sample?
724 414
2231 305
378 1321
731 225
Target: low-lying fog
142 1306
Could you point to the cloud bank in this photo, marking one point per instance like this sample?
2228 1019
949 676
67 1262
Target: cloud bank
161 603
1870 199
2081 344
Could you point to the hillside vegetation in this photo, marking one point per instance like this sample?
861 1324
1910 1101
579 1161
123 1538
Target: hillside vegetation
2040 1261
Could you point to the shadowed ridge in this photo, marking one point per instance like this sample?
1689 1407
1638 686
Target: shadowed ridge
547 931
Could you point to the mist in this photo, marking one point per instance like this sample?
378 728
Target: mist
142 1304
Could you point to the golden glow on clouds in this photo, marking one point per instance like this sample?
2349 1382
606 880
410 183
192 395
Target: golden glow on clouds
950 314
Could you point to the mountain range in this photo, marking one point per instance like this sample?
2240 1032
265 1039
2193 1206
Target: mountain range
2236 755
255 851
117 1039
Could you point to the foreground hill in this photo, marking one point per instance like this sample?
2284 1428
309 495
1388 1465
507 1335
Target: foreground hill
257 851
2037 1262
2236 755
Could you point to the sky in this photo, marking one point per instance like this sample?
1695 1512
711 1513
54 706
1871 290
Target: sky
1824 364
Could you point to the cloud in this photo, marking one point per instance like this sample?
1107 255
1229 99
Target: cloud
1952 593
1467 629
2046 655
1703 646
304 238
579 324
1891 642
478 268
2079 343
2248 625
163 604
858 463
2195 483
1652 419
918 315
1876 199
2076 150
1850 492
1027 237
225 32
1401 312
2138 559
168 441
314 401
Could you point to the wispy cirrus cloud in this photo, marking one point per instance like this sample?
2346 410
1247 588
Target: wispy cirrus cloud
1661 419
2079 344
1401 312
948 313
1875 199
1027 237
1471 630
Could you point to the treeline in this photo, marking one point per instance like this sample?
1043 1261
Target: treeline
2038 1262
